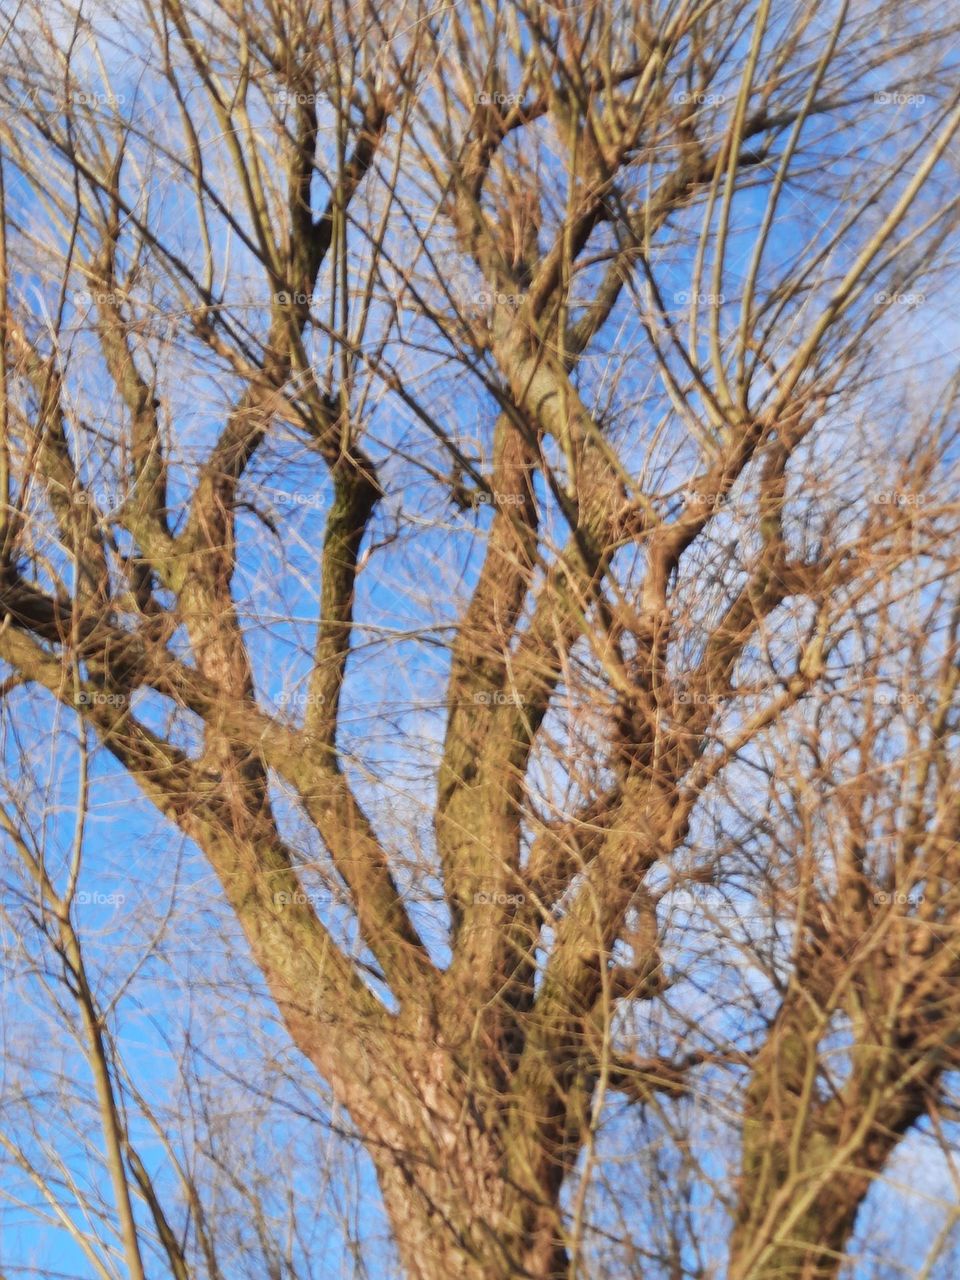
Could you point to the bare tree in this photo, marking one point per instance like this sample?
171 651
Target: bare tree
471 468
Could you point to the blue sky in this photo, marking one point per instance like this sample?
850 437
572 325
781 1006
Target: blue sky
193 984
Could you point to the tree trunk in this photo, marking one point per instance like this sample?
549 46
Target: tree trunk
809 1159
474 1227
465 1196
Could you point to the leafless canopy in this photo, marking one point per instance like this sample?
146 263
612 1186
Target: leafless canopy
487 476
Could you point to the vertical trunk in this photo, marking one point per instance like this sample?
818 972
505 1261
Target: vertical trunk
460 1205
808 1159
468 1221
814 1245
